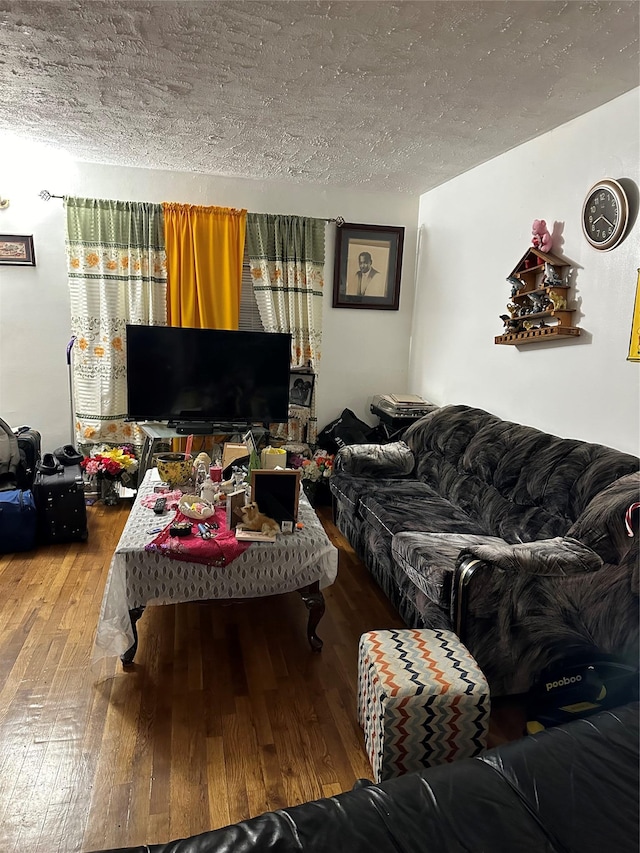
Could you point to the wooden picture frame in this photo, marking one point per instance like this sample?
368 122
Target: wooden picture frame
368 265
301 388
634 341
17 249
276 493
235 502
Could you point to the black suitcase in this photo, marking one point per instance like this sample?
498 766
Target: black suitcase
62 513
29 446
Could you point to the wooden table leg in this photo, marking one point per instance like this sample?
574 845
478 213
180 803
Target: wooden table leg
128 656
314 601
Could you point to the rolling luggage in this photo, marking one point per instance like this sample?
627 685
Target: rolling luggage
17 508
18 519
29 447
59 496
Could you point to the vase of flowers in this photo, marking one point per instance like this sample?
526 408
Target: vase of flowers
315 477
109 467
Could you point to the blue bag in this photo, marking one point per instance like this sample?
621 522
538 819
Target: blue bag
18 520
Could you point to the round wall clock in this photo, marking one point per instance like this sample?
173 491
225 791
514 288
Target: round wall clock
605 214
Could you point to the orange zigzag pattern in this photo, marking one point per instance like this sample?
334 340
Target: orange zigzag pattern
437 674
384 665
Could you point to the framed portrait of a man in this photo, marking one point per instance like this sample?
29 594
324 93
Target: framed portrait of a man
368 265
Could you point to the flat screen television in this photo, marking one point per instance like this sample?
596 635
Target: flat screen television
206 376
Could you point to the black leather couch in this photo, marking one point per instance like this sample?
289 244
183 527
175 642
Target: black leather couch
569 789
512 537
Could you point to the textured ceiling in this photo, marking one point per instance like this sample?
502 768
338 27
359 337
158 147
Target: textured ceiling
397 96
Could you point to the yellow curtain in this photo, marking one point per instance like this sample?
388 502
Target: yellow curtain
205 247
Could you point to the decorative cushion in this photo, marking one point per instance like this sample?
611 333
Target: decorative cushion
376 460
422 700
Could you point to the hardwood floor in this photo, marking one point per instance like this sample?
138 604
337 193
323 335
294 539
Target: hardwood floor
225 714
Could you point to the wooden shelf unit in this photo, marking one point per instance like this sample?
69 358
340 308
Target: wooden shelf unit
529 275
531 335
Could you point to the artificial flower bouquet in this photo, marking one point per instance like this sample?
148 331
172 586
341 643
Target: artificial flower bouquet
318 467
116 463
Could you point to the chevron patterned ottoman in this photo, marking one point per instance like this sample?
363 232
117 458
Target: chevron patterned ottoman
422 700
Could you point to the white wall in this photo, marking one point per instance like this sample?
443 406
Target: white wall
472 233
365 352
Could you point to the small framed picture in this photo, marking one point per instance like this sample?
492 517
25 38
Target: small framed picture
301 387
276 493
17 249
235 502
367 267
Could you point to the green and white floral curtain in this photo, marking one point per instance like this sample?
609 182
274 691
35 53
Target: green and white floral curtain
117 275
286 254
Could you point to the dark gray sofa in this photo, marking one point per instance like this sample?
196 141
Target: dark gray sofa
513 537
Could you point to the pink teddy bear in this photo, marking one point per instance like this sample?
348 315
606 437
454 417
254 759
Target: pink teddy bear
541 238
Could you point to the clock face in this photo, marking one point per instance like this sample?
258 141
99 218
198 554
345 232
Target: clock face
604 214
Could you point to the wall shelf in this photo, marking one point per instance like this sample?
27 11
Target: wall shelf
532 335
539 292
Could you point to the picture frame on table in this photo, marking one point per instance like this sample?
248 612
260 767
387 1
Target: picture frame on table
17 250
235 501
368 266
277 492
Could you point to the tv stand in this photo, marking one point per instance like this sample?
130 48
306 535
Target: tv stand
207 427
157 431
191 427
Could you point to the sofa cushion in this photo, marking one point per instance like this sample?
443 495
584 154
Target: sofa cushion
394 459
429 559
601 526
414 507
350 489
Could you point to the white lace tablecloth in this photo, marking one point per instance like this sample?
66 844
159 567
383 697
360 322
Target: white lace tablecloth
138 577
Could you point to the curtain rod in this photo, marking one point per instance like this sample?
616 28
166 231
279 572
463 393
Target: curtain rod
45 195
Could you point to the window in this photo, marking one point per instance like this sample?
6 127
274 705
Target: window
249 315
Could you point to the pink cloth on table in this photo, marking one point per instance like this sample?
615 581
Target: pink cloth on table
220 550
172 498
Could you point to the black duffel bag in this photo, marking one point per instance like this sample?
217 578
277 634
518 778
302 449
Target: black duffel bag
347 429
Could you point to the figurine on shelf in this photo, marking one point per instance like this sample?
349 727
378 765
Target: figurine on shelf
558 300
551 276
513 309
541 239
515 284
538 302
512 325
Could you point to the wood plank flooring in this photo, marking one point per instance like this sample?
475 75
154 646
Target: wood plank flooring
225 714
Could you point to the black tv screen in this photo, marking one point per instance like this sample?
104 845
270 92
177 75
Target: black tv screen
217 376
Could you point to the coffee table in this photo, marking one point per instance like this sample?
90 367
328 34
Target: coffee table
304 562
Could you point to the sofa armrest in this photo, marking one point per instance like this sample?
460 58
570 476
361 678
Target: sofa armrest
548 557
375 460
518 608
